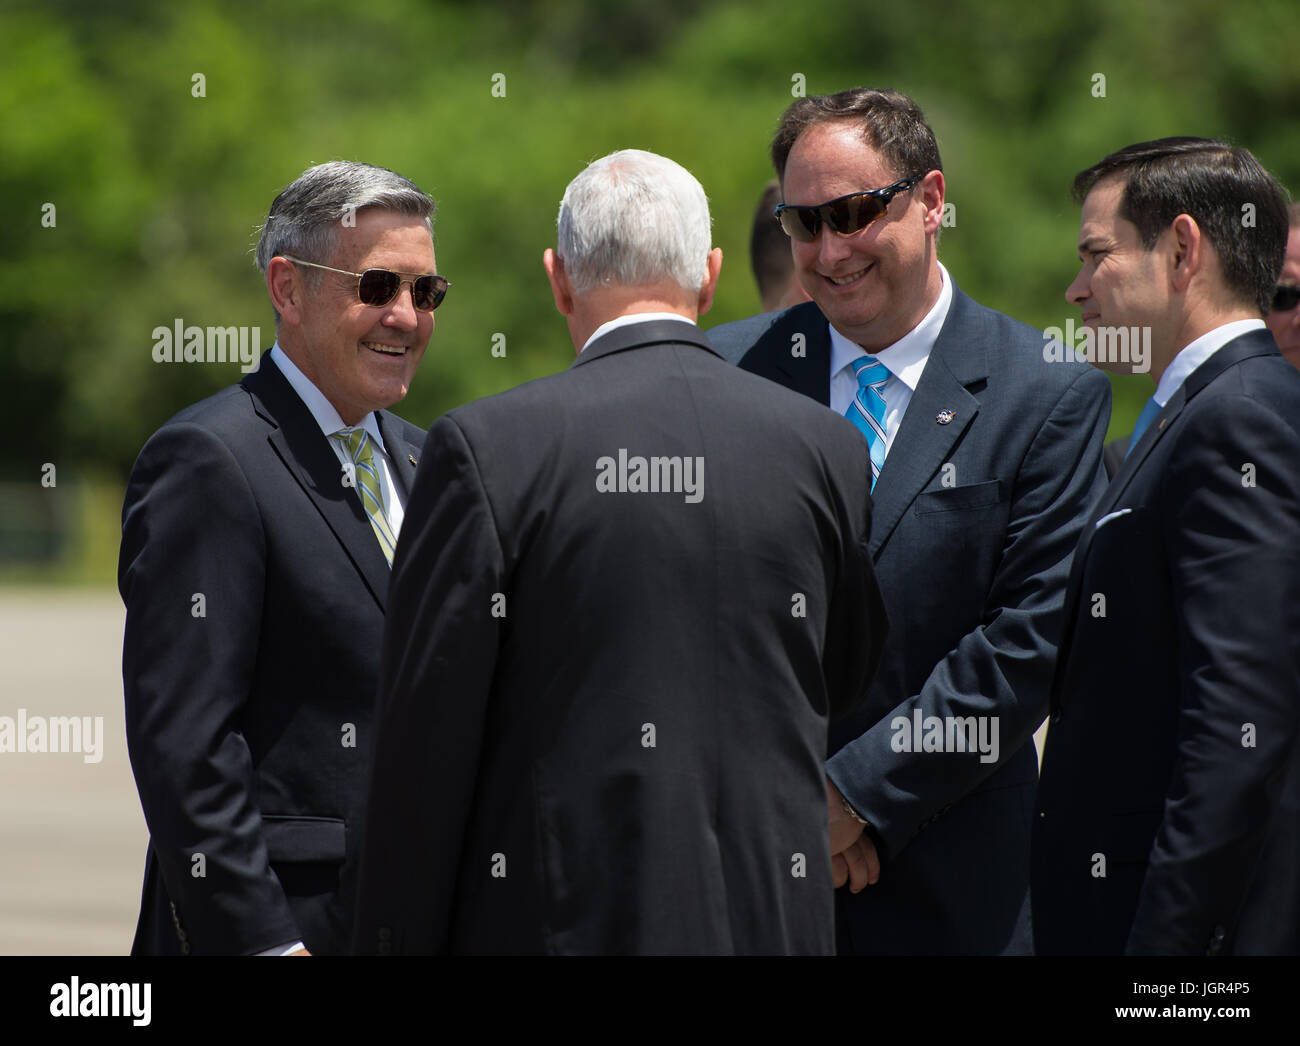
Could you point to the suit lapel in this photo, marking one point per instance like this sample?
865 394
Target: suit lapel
403 454
923 443
303 450
795 352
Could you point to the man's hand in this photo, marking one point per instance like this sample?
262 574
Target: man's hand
300 951
859 865
844 828
853 855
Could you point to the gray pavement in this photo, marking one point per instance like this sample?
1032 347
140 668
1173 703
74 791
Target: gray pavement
72 837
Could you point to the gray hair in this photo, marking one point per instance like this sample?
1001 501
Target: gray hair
634 218
306 216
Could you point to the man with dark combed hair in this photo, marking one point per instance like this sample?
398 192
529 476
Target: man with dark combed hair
985 463
1169 809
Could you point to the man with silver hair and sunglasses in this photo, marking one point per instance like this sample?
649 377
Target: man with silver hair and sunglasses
257 537
626 599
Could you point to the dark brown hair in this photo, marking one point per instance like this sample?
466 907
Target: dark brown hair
1212 182
891 123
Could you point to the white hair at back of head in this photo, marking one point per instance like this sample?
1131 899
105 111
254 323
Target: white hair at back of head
634 218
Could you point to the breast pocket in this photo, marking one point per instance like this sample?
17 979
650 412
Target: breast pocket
954 537
955 499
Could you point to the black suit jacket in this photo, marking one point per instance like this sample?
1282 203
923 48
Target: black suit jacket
603 714
976 515
1114 453
254 589
1169 810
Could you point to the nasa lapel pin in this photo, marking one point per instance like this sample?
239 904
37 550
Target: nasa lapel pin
944 417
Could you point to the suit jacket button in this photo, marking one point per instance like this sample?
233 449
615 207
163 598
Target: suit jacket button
385 933
385 948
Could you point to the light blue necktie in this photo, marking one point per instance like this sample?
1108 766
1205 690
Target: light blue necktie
1149 411
867 411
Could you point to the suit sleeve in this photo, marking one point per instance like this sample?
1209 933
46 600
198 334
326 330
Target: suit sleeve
440 648
191 574
1001 671
1233 533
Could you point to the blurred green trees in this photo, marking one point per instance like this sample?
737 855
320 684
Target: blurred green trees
158 192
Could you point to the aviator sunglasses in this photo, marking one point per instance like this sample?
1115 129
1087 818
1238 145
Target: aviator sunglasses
844 215
1286 297
377 287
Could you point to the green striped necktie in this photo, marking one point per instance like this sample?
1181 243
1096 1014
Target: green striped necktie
359 450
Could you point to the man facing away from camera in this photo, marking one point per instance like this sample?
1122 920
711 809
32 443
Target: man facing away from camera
626 600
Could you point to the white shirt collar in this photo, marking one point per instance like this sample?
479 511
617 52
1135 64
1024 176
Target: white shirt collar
631 317
321 409
1197 352
906 358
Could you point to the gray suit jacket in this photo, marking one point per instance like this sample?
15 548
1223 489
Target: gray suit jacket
977 509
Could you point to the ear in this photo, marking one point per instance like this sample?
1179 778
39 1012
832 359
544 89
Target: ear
560 288
286 289
713 266
932 189
1189 251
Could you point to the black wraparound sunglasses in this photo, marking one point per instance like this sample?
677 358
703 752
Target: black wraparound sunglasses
1286 297
377 287
844 215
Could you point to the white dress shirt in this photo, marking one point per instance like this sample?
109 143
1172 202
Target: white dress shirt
327 417
1197 352
905 359
329 421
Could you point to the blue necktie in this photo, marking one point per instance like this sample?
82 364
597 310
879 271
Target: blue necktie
1149 411
867 411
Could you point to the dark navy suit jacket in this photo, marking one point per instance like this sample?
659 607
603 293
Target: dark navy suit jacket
1169 811
989 479
248 712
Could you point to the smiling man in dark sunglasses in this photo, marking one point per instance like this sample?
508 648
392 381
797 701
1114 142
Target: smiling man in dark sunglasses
985 463
257 538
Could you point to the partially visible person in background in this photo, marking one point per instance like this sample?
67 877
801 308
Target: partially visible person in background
769 256
1284 319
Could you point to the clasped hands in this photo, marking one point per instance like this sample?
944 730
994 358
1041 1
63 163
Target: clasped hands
853 855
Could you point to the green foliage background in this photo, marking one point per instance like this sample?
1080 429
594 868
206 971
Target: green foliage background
159 193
